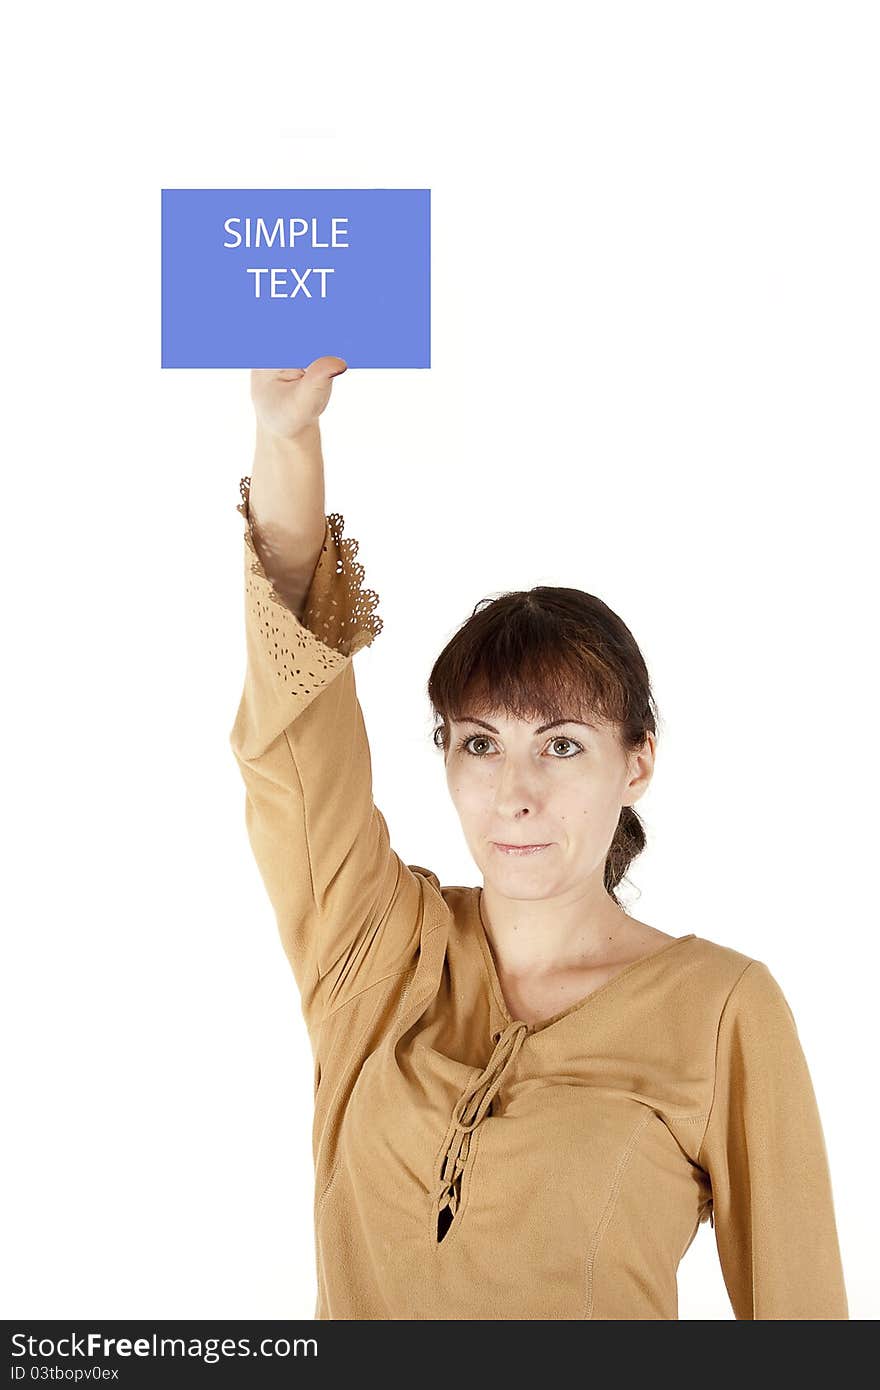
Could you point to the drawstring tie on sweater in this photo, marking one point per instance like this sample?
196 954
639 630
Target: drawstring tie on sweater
471 1108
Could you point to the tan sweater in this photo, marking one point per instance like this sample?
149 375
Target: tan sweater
468 1165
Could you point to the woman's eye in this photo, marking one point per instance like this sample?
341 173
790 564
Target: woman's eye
473 738
571 743
482 738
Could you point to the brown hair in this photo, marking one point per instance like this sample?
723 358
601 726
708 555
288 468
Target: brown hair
550 653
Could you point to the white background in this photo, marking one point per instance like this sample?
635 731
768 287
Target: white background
654 376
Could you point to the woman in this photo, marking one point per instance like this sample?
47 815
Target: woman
526 1101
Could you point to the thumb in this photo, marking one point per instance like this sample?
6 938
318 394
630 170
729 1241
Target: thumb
323 368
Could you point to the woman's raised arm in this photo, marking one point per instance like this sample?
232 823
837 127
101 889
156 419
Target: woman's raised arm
287 482
348 910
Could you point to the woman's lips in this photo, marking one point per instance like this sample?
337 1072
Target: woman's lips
519 849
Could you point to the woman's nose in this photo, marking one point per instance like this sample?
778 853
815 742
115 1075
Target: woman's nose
515 790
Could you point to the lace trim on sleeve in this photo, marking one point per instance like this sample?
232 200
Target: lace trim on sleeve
338 609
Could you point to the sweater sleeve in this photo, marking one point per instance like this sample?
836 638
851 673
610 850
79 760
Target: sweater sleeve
764 1151
348 910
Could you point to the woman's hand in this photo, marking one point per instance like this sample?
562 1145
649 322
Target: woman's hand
289 401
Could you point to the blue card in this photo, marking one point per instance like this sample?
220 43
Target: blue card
277 277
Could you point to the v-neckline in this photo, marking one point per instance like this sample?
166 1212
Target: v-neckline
498 993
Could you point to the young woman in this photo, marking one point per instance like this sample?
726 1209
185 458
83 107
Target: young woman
526 1101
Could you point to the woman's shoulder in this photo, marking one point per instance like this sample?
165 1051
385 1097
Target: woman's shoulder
722 971
719 954
699 963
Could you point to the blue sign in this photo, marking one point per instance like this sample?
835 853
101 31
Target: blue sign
277 277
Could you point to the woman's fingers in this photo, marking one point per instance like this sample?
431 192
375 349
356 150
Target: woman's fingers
288 399
322 369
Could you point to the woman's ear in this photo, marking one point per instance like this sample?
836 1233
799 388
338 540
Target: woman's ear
640 769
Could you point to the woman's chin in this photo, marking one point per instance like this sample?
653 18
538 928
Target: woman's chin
520 880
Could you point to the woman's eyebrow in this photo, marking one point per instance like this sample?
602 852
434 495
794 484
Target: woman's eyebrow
542 728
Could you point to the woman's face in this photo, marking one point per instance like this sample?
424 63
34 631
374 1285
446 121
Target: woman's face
517 783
